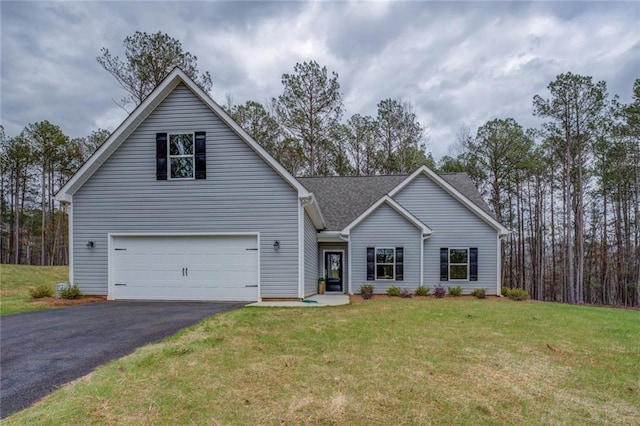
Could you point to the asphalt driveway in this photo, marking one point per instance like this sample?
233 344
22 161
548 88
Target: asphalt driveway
41 351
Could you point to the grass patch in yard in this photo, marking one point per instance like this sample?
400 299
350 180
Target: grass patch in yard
393 361
17 280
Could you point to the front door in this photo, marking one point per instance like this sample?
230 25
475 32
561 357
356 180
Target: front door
333 265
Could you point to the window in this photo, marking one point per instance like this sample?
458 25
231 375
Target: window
459 264
385 263
181 155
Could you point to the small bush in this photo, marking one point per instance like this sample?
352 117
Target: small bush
406 293
71 292
42 290
479 293
455 291
505 291
439 291
394 291
518 294
366 291
422 290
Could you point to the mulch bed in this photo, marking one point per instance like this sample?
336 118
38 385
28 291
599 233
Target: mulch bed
56 302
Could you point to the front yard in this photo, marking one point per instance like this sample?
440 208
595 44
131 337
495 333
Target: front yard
17 280
385 361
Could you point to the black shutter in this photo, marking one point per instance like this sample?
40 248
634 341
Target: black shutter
444 264
201 155
161 156
371 263
399 264
473 264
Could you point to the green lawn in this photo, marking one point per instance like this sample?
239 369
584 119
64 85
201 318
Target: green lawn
384 362
17 280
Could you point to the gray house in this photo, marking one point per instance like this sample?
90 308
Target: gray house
180 203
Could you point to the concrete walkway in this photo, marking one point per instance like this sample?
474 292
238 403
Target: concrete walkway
317 301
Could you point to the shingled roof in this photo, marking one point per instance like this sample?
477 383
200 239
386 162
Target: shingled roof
343 198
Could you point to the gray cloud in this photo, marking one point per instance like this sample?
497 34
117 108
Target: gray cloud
459 64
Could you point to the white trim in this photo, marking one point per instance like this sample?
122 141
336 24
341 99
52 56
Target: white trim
111 236
394 205
453 192
344 270
301 253
459 264
375 264
71 263
350 289
499 265
127 127
422 260
330 237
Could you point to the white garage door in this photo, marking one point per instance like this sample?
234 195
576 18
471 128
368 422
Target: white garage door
184 267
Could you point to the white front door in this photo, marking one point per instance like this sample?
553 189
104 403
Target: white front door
184 267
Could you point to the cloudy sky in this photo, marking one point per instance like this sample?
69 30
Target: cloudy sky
459 63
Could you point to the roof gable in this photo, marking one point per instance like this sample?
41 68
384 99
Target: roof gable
386 200
143 110
457 193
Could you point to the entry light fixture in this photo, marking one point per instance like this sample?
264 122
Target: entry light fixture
91 244
276 245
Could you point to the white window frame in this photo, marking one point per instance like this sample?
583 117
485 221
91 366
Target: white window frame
459 264
375 263
192 156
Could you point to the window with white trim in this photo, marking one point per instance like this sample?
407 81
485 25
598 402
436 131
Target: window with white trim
385 263
459 264
181 155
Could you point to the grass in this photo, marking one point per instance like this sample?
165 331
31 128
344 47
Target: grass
379 362
17 280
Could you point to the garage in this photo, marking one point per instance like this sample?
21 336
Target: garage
184 267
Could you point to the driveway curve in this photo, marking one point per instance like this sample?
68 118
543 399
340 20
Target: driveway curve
41 351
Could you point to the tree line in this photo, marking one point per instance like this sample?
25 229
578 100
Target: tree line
569 190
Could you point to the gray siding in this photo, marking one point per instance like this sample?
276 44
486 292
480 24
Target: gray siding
385 228
454 226
323 247
241 194
310 257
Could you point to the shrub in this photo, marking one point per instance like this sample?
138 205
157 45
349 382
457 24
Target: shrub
439 291
71 292
406 293
455 291
505 291
394 291
422 290
366 291
479 293
42 290
518 294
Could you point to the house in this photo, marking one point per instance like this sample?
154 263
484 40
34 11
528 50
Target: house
180 203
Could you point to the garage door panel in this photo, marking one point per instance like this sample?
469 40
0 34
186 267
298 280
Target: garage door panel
185 268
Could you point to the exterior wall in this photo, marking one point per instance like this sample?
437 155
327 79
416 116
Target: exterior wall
385 228
454 226
343 247
241 193
310 257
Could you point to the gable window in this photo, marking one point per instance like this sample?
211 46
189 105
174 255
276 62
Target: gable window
385 263
181 155
459 264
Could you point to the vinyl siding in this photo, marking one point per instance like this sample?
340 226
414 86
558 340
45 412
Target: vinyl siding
385 228
310 257
454 226
242 193
324 247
